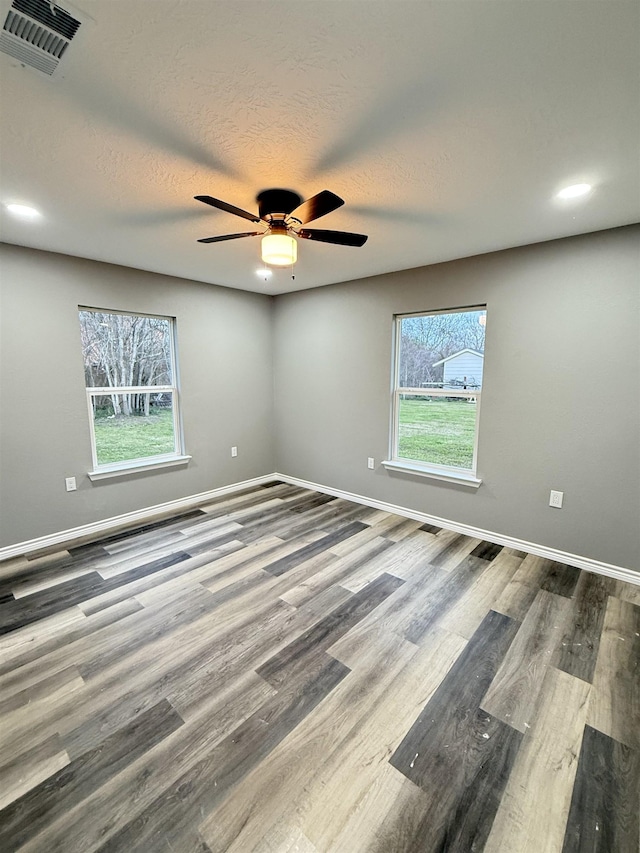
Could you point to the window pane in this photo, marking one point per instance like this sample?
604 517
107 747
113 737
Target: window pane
437 430
132 426
123 349
442 350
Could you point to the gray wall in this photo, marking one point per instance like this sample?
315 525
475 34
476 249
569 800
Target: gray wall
224 351
560 406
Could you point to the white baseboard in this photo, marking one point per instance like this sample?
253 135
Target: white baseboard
148 513
596 566
141 515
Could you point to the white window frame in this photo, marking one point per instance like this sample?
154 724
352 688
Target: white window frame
145 463
448 473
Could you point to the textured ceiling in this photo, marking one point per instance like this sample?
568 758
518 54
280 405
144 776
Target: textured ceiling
446 126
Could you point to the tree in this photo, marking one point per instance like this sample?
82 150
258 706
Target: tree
124 351
428 339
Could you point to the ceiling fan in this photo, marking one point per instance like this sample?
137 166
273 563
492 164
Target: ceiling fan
284 213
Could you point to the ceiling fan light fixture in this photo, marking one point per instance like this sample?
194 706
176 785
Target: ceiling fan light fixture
279 250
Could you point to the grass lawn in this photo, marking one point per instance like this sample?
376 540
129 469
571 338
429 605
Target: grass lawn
135 437
439 432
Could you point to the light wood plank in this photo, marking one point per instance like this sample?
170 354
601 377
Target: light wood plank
467 613
513 694
615 700
535 805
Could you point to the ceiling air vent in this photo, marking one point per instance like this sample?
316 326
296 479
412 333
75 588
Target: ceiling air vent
37 33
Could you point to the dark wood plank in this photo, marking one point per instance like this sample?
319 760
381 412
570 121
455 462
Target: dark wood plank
486 551
430 528
606 796
26 816
578 650
561 579
459 755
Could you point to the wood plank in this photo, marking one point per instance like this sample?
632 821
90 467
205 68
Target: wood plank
240 822
456 753
628 591
487 551
27 815
381 527
614 708
561 579
405 559
371 824
284 839
513 694
337 571
30 768
349 774
604 807
47 689
284 564
14 668
171 816
466 614
431 528
136 786
458 546
460 579
48 602
535 805
519 595
578 651
295 657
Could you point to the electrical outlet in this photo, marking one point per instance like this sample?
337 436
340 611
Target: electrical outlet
555 499
371 463
234 451
70 484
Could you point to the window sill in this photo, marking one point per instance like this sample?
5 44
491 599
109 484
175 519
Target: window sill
120 469
460 477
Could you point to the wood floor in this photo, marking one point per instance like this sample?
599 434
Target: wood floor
280 671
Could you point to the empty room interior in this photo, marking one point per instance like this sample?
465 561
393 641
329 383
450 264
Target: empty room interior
320 426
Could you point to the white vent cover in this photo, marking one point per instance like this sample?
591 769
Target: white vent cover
37 33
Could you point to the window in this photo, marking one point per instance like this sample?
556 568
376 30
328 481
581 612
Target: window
132 393
438 367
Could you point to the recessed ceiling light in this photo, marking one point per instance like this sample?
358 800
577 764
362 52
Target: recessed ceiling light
265 273
23 211
574 191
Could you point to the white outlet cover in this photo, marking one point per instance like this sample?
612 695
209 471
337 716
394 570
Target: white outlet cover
555 499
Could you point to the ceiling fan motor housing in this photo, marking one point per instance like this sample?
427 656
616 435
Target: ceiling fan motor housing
277 201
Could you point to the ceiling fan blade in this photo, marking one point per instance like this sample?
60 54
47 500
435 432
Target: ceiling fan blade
341 238
316 206
228 208
228 237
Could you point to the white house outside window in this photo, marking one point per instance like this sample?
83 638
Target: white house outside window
437 389
132 390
